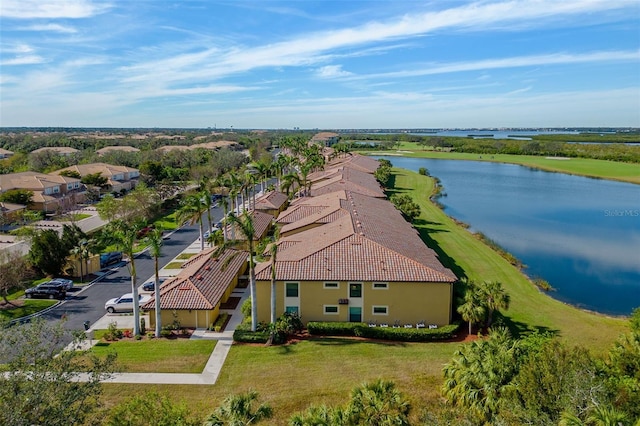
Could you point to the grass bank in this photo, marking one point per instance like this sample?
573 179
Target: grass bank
530 309
24 308
600 169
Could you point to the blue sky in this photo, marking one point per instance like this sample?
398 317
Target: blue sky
320 64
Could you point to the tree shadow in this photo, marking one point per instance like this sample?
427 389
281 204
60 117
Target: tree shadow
520 329
444 258
343 341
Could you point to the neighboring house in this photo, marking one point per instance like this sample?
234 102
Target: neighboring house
310 212
64 151
368 264
272 202
50 192
194 296
355 161
119 177
212 146
325 138
121 148
11 212
262 223
5 153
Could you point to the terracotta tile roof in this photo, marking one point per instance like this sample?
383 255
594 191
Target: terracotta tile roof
349 180
304 207
356 161
261 223
10 207
202 283
372 242
123 148
57 149
271 200
32 181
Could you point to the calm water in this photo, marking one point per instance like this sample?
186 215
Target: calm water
582 235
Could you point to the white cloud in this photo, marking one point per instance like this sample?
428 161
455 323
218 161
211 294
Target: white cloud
24 60
51 9
57 28
332 71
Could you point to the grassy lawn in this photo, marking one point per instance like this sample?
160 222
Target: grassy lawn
186 255
602 169
159 355
174 265
29 307
167 223
292 377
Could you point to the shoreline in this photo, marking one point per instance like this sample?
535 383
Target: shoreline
518 160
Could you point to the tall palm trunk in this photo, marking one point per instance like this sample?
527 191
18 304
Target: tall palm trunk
156 292
134 292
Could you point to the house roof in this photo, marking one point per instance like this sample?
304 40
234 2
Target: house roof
57 149
349 180
202 282
313 210
272 200
261 223
356 161
124 148
106 170
5 151
32 181
373 242
10 207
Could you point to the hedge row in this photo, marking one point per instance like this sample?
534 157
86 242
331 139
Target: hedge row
246 336
401 334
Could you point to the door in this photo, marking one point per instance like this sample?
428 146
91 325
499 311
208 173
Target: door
355 314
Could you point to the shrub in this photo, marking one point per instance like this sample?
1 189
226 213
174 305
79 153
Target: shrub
250 336
143 326
112 332
165 333
401 334
219 323
246 308
423 171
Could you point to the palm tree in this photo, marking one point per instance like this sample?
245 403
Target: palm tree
473 309
378 403
289 181
244 224
124 235
191 212
320 416
82 251
237 410
495 298
154 238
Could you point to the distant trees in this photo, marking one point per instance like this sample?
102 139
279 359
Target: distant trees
15 273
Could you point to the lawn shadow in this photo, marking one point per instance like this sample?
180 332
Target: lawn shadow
520 329
446 260
343 341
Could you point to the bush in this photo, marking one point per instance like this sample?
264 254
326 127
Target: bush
143 326
246 308
401 334
219 323
250 336
112 332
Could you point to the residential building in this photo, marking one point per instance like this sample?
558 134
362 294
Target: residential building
64 151
195 295
119 177
5 153
272 202
50 192
120 148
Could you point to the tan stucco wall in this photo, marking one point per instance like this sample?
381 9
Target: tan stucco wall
190 319
408 303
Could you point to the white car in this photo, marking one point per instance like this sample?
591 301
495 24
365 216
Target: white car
214 228
124 303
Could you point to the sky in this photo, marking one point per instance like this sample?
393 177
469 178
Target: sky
320 64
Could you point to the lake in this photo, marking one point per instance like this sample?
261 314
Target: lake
582 235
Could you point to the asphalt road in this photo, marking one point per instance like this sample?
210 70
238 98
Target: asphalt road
88 305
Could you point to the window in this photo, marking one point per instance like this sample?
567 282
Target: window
380 286
332 285
292 309
355 290
380 310
291 289
331 309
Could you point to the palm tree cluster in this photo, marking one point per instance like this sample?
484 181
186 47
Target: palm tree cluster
481 301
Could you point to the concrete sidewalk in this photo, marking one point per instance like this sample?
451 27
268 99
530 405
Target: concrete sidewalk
212 369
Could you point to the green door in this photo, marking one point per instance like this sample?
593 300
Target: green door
355 314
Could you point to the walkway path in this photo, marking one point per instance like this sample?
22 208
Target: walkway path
212 369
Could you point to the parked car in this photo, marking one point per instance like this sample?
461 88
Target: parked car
124 303
214 228
67 284
144 231
151 285
46 290
110 258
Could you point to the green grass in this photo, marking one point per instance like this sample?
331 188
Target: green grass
174 265
29 307
76 217
318 371
601 169
186 255
167 223
467 256
159 355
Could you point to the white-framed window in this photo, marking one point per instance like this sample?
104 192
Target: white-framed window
56 189
292 309
380 310
331 309
380 286
291 289
332 285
